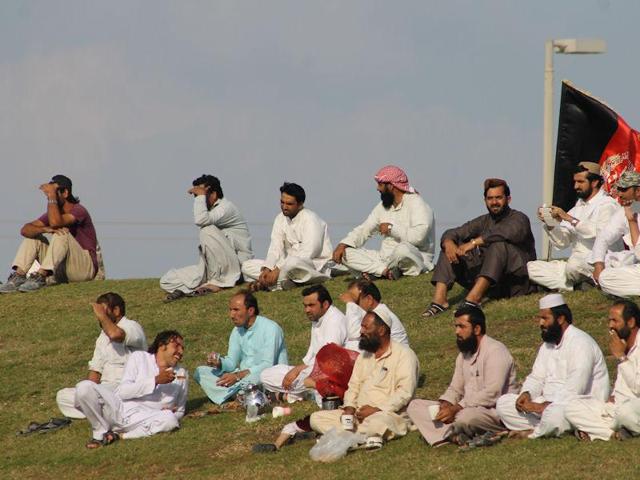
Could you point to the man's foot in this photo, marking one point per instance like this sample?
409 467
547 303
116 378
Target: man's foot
583 436
35 282
392 273
108 438
469 303
173 296
13 283
622 435
207 288
257 287
434 309
519 434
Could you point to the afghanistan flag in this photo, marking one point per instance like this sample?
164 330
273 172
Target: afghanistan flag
590 131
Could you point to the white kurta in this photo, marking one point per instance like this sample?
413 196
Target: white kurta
594 216
224 243
623 280
300 247
330 328
560 374
600 419
109 359
410 246
138 407
354 315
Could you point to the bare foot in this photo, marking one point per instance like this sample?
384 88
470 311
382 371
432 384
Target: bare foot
208 287
520 434
582 436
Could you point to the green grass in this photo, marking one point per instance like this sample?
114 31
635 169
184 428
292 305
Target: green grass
47 337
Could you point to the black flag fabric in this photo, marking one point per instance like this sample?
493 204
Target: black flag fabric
590 131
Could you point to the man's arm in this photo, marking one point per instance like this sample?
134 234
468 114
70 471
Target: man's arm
266 353
359 235
35 229
135 382
94 376
111 330
312 238
276 254
513 229
421 220
454 392
234 353
496 371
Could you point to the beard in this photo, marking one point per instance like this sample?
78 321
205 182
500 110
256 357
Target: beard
467 345
369 344
387 199
624 333
584 195
553 334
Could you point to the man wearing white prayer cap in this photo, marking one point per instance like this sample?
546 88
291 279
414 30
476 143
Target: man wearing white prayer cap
569 363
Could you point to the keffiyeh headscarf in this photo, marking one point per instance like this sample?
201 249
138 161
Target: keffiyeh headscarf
396 177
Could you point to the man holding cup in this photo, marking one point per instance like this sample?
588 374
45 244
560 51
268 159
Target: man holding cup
254 344
484 371
383 382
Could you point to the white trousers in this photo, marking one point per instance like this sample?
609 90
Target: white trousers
294 271
219 265
552 423
600 420
387 425
405 256
621 282
106 411
271 378
560 274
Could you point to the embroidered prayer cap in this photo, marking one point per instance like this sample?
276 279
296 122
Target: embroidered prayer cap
396 177
551 300
591 167
628 179
383 314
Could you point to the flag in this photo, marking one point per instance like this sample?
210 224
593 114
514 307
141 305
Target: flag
590 131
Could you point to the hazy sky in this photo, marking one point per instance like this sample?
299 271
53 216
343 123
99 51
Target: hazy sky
134 99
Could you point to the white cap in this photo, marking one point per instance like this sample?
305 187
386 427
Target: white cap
383 314
551 300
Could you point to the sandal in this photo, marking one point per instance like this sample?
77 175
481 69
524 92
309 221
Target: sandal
582 436
107 439
173 296
434 309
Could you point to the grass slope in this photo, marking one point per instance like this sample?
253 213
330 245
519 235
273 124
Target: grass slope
46 339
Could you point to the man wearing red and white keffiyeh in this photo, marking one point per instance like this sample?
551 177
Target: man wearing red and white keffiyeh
406 224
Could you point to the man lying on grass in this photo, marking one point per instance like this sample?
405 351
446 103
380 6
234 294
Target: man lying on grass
150 399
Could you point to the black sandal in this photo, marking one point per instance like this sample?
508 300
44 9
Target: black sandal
434 309
107 439
173 296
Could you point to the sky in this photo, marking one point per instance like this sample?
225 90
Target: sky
134 99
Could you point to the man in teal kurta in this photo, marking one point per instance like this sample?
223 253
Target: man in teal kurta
255 344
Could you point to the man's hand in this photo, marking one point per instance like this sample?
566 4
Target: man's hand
540 217
523 399
385 228
269 277
100 311
291 376
465 248
447 412
617 345
451 251
338 253
628 213
197 190
559 214
165 376
49 189
228 379
213 359
364 411
598 267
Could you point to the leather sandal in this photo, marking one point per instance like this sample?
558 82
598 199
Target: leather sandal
434 309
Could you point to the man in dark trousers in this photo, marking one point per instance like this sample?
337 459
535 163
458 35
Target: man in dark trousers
487 255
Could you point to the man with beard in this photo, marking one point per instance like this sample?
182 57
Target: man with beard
119 338
255 343
577 229
224 244
406 224
382 383
487 255
63 241
300 249
621 278
484 371
619 417
150 399
328 325
569 364
363 296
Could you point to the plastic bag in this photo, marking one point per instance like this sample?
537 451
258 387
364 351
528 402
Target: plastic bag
334 445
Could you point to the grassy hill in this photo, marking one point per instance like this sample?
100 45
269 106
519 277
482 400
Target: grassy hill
46 339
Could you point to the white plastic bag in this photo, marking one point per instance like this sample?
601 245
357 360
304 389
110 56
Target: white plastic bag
334 444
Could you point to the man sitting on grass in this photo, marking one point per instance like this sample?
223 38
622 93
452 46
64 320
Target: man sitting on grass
382 383
150 399
255 343
119 337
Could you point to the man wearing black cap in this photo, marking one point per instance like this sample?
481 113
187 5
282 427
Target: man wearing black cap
63 241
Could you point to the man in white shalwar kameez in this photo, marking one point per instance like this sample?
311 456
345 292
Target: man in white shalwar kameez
363 296
300 249
225 243
577 229
622 278
594 419
119 337
569 364
328 325
406 224
150 399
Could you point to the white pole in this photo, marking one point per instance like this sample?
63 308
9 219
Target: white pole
547 159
